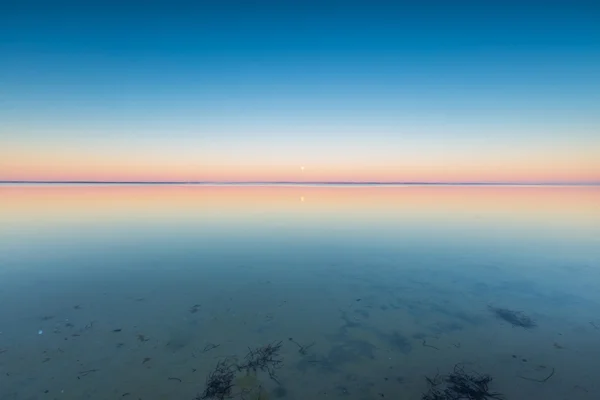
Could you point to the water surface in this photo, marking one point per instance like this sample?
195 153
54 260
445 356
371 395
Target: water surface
113 292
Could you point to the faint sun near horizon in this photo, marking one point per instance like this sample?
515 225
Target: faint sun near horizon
302 168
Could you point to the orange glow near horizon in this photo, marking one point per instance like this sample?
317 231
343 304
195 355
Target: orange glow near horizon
152 162
36 204
125 172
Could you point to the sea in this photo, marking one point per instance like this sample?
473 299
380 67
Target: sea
299 292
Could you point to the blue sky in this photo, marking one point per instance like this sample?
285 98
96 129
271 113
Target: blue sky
341 75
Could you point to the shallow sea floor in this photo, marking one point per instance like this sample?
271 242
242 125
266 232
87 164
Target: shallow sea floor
137 292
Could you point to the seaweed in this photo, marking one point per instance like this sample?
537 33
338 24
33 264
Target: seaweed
195 308
210 347
141 338
302 349
86 372
460 385
219 382
544 380
265 358
515 318
428 345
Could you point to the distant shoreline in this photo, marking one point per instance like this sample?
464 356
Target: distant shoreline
291 183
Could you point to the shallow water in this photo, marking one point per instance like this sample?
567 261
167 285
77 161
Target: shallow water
391 284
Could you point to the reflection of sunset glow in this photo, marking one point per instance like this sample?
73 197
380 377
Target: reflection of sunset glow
56 204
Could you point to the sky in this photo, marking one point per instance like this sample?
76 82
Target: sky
341 91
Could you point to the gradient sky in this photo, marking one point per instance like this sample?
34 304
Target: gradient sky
300 91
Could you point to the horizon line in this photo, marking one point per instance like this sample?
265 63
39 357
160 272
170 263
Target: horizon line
295 183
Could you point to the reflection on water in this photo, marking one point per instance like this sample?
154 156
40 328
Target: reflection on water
141 292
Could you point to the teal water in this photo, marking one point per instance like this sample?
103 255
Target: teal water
137 294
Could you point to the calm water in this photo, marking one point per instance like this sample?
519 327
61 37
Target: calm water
136 292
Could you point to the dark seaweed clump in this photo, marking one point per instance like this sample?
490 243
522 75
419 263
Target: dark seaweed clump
265 358
515 318
219 382
460 385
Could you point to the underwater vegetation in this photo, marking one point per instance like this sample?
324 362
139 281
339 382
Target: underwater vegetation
265 358
219 383
515 318
302 349
460 385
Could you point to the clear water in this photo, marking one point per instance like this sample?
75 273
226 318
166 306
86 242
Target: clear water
392 284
